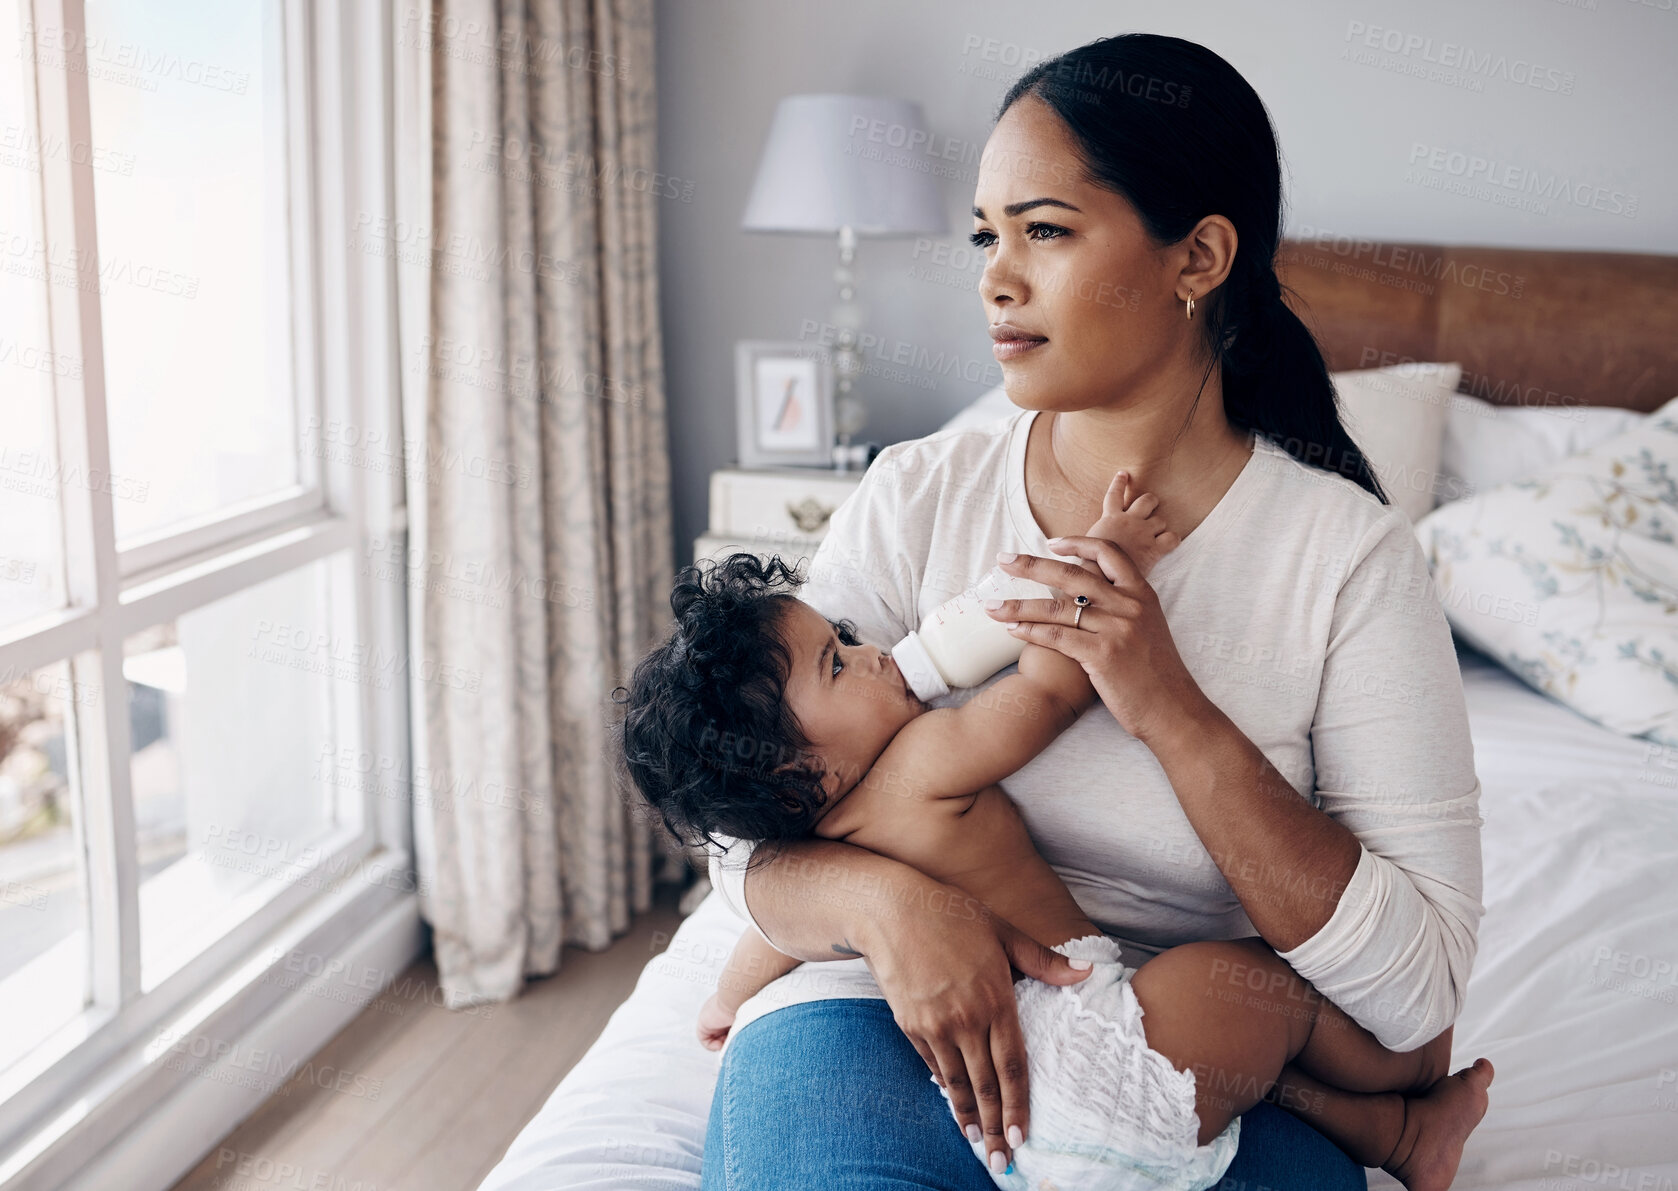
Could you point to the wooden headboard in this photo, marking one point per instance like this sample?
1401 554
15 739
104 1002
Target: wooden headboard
1529 327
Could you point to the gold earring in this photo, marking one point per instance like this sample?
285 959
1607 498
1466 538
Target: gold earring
1189 303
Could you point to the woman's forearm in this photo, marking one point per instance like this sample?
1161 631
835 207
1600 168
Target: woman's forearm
1286 861
818 899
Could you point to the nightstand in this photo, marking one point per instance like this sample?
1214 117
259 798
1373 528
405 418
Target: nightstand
781 510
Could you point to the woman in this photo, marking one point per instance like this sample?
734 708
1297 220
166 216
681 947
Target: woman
1281 747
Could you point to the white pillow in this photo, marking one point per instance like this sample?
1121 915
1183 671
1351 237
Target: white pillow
1487 445
988 407
1396 415
1570 577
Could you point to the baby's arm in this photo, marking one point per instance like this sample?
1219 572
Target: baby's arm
954 751
751 966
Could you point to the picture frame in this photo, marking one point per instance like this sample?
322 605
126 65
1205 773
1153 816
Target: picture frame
783 403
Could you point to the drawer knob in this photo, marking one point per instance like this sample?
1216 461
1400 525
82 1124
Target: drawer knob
810 514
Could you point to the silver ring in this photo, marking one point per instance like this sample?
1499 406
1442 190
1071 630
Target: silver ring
1082 602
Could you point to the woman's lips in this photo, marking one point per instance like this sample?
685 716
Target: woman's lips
1007 349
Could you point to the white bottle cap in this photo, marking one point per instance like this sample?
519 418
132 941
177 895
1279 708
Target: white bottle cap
918 671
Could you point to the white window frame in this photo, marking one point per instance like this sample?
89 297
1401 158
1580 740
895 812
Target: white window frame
81 1098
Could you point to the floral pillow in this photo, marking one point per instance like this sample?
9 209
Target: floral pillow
1570 577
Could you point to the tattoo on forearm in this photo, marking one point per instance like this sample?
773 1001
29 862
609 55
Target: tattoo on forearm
845 948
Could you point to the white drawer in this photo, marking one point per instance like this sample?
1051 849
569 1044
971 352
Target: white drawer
777 505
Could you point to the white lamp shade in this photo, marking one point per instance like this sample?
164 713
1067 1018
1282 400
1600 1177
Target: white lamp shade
832 161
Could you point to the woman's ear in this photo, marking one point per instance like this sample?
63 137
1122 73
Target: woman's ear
1210 249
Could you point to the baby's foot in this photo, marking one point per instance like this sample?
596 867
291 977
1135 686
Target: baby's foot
1436 1124
1131 524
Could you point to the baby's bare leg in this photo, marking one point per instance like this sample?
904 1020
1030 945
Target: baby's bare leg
1431 1128
1237 1016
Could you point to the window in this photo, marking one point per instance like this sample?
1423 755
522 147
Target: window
190 635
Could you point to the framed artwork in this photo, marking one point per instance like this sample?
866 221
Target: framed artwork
784 403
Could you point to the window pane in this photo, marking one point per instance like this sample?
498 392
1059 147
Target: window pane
233 705
31 574
189 116
43 899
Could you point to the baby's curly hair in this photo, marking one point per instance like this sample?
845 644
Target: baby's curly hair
707 736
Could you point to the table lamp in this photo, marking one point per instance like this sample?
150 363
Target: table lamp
846 165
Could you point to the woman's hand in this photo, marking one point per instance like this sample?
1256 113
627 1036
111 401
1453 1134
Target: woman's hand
1122 640
948 981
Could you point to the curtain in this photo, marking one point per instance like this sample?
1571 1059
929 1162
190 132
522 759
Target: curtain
537 474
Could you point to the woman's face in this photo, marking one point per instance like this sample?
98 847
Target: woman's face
850 699
1069 261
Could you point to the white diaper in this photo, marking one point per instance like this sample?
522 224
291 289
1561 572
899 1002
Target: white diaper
1107 1112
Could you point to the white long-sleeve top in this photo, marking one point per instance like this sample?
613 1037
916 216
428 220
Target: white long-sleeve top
1304 609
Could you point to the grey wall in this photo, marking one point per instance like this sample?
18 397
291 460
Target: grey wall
1351 119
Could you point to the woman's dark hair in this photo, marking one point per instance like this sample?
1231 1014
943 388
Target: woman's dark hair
1177 131
707 737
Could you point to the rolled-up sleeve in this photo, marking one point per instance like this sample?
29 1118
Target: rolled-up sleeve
861 573
1394 764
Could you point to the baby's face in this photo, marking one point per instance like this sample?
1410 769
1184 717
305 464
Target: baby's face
849 698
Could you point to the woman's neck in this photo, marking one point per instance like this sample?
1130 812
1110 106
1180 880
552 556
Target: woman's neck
1189 469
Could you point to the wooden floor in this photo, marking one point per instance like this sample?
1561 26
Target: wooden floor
431 1097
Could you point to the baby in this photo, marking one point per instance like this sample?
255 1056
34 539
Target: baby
1137 1075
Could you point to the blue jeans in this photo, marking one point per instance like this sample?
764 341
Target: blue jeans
830 1094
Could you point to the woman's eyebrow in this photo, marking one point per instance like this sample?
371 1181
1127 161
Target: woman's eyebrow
1013 209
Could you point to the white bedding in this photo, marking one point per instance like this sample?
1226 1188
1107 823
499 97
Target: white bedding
1574 995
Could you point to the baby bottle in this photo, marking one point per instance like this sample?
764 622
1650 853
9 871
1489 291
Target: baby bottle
960 644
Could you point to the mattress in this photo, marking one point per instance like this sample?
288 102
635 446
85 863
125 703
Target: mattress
1574 995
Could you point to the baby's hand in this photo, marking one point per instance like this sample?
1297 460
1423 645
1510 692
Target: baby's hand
1130 523
714 1023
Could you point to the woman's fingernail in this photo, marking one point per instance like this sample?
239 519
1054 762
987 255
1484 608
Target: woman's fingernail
992 605
1015 1137
1013 624
1056 541
973 1133
1078 964
1004 556
998 1160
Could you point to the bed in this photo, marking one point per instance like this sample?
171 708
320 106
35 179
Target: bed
1574 993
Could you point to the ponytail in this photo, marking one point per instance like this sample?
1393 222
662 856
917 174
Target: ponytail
1200 143
1276 383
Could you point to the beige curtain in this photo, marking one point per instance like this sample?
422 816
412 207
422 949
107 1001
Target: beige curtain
537 475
